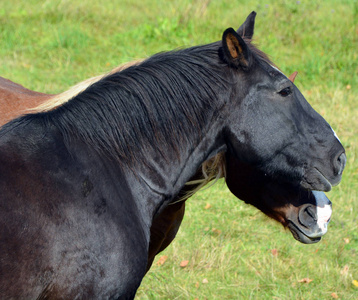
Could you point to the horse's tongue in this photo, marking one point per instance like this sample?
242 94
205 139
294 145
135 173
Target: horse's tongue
324 209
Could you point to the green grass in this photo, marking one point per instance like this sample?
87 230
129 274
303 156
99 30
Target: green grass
50 45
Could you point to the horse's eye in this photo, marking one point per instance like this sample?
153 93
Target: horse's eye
285 92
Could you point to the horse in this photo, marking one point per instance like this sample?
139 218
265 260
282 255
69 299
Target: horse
16 100
95 181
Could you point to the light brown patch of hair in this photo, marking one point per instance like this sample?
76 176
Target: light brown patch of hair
59 99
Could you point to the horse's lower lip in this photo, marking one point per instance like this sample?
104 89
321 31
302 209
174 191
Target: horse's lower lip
300 236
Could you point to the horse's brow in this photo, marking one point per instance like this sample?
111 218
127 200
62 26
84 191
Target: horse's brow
277 70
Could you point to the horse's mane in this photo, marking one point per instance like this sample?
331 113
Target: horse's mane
127 114
59 99
211 169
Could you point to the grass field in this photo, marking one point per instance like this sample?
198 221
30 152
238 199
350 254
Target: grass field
234 251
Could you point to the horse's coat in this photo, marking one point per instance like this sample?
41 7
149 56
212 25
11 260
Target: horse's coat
96 170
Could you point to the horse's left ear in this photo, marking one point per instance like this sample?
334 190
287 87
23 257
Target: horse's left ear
235 51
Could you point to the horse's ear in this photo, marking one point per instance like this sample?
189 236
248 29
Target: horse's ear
235 51
247 28
293 76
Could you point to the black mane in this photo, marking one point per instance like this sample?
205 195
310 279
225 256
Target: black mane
158 104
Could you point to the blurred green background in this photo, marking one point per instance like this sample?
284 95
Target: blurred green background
234 251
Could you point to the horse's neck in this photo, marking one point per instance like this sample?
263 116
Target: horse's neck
167 179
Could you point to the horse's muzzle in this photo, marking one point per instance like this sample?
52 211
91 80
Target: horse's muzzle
310 222
339 165
315 178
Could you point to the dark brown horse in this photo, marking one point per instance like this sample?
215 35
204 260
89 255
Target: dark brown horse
278 169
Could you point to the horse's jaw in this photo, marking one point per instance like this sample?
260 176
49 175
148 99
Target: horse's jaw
309 223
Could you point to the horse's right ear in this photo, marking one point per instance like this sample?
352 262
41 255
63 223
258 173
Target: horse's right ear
235 51
293 76
247 28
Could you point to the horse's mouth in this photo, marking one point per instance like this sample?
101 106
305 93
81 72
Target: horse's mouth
309 222
300 236
315 180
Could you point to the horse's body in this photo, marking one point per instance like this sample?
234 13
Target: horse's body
78 202
16 100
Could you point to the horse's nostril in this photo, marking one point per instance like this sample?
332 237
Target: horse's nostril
341 163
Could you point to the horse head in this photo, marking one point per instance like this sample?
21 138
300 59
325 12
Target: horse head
282 116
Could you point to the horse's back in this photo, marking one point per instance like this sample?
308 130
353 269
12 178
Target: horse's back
16 99
64 232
